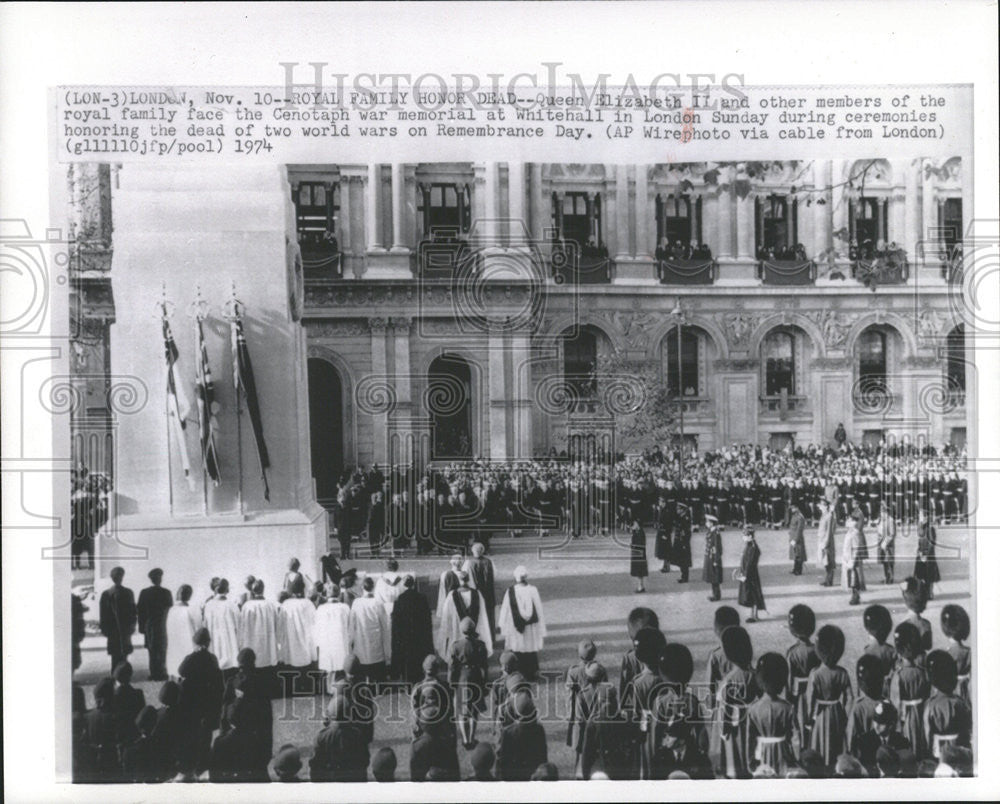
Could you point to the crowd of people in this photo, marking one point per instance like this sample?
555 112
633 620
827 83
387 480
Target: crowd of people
678 251
448 507
904 710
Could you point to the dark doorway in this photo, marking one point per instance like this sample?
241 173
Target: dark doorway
326 428
449 402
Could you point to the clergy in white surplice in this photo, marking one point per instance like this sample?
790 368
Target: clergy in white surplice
260 626
222 619
458 604
183 620
522 624
332 632
298 620
389 586
371 634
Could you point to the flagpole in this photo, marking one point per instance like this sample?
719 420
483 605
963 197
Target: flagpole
166 414
232 314
197 313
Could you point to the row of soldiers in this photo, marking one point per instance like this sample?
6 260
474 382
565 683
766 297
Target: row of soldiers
795 715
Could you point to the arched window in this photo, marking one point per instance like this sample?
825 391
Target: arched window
872 360
956 360
687 376
779 363
580 361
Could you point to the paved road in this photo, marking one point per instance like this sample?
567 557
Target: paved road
586 593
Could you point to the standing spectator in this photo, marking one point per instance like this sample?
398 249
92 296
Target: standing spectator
575 680
412 632
750 592
772 723
828 695
332 634
201 700
956 627
796 539
885 530
371 634
481 578
222 619
433 746
79 630
853 577
840 435
183 620
376 524
638 566
523 746
926 567
260 627
118 617
298 624
664 530
171 729
467 670
250 688
712 570
100 736
522 623
236 755
826 532
802 660
680 548
154 603
128 702
341 752
947 718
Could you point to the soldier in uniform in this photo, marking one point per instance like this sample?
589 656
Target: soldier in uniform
680 548
955 625
664 529
712 568
947 718
878 624
802 660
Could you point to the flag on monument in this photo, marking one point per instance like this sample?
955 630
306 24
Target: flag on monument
178 406
207 406
243 380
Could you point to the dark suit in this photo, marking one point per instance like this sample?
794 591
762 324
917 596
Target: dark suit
154 603
412 635
521 750
341 754
118 619
201 701
433 751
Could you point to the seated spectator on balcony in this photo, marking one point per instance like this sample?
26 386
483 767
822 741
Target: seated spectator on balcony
853 252
330 240
701 251
679 251
663 250
799 253
867 250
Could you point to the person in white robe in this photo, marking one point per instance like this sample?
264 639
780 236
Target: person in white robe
448 583
183 620
522 623
461 603
222 619
260 626
371 634
389 586
332 634
298 622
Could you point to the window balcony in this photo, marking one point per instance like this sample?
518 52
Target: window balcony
783 405
440 257
886 268
695 405
569 267
687 272
955 400
321 259
786 272
876 399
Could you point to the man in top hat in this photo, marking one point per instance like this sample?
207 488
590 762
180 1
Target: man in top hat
522 623
118 617
154 603
712 569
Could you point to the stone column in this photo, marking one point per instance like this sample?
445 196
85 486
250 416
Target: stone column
806 235
491 224
521 392
540 208
518 224
623 248
380 371
402 382
398 211
725 210
911 210
498 401
822 179
642 212
929 218
745 227
839 203
710 211
373 212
